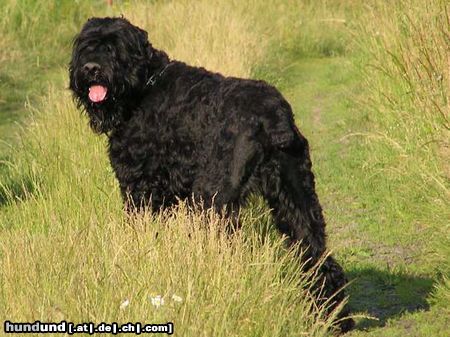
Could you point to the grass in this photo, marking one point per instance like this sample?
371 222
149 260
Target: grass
371 96
33 50
394 276
235 285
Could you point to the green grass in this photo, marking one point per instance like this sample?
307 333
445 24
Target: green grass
372 231
387 225
34 42
378 148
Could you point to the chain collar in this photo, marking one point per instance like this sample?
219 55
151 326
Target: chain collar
154 78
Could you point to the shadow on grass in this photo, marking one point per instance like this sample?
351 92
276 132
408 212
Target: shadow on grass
12 189
386 295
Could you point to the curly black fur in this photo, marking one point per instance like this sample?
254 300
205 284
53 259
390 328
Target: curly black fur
177 131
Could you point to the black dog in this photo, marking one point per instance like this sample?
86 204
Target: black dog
180 132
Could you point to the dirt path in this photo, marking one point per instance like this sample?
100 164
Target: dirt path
390 278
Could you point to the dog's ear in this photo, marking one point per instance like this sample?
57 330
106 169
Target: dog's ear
144 34
143 37
144 43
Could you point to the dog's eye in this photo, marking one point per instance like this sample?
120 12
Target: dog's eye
104 48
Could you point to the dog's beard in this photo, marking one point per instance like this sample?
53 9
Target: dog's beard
99 95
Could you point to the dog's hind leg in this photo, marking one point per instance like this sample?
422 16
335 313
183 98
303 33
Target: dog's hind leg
224 184
288 185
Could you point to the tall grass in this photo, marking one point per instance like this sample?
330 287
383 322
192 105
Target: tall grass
407 74
398 137
34 42
66 249
225 40
229 285
68 252
44 32
234 36
409 48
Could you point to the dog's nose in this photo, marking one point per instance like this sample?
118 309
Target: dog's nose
91 67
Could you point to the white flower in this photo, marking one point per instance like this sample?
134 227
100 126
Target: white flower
125 304
157 301
177 298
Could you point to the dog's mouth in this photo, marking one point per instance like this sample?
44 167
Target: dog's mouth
97 93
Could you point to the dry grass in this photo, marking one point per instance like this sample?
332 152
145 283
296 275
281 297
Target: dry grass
409 71
67 252
411 48
407 75
224 40
229 284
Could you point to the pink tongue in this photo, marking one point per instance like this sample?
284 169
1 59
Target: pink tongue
97 93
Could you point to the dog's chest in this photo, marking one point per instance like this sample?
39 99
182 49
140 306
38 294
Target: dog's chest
150 157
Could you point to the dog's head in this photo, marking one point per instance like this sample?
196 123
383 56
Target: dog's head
111 63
